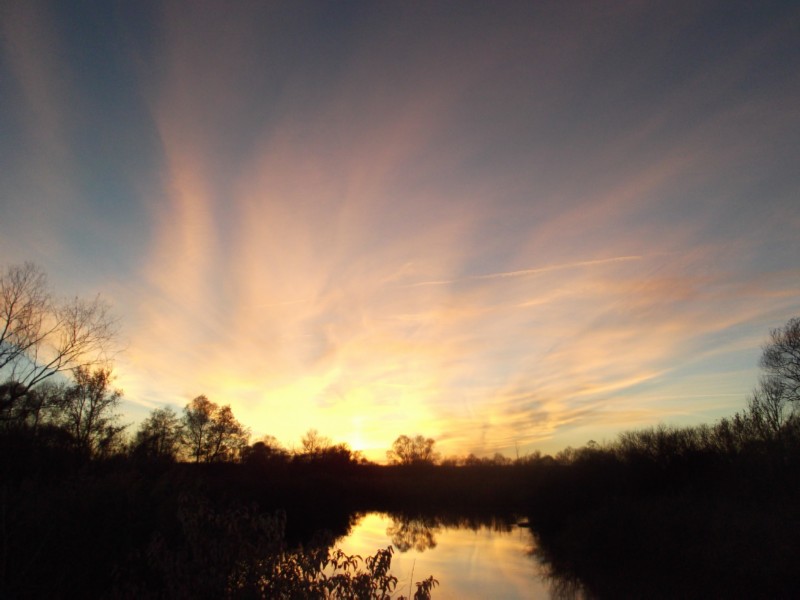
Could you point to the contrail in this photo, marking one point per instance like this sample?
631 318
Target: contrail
536 271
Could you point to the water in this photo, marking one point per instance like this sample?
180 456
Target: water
478 561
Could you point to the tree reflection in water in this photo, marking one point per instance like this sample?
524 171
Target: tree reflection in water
417 533
473 556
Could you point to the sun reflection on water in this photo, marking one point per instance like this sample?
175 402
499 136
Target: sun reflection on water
468 563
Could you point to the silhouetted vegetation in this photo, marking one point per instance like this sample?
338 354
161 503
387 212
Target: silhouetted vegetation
684 510
693 512
689 512
159 437
412 451
210 433
188 508
42 336
241 552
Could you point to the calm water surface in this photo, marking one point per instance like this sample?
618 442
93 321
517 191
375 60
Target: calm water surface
468 562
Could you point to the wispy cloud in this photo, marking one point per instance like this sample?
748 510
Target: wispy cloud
534 271
38 186
499 230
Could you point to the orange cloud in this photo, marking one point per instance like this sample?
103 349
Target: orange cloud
347 268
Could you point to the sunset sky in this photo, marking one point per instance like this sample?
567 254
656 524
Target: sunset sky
508 226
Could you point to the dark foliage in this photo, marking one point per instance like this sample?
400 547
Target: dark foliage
665 512
75 526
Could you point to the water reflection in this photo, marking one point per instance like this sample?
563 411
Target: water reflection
472 557
417 533
562 583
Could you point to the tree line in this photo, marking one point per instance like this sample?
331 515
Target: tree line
58 385
54 354
88 507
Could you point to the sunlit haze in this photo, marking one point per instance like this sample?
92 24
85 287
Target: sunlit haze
509 226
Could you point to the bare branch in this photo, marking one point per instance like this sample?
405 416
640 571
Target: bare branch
24 304
781 358
40 337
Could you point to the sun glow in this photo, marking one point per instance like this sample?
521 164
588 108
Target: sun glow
379 225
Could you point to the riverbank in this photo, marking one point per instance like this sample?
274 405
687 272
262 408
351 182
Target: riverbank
694 512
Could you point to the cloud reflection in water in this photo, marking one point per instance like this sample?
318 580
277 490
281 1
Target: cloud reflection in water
469 562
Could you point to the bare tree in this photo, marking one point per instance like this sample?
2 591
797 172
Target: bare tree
158 436
29 408
211 433
410 451
87 411
314 443
41 336
781 359
768 408
24 304
13 411
196 424
227 437
777 398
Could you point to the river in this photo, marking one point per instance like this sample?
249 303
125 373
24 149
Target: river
469 560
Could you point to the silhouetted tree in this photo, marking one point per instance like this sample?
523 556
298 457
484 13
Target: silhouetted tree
313 443
41 404
159 436
210 432
781 360
86 410
265 451
409 451
227 437
41 336
471 460
777 396
196 422
768 409
24 304
338 455
273 445
13 404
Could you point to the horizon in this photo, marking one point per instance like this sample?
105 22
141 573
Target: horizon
508 227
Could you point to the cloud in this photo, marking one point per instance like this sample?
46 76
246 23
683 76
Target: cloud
37 186
354 232
534 271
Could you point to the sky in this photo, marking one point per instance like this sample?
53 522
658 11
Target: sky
509 226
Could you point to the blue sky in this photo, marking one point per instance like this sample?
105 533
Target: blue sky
509 226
